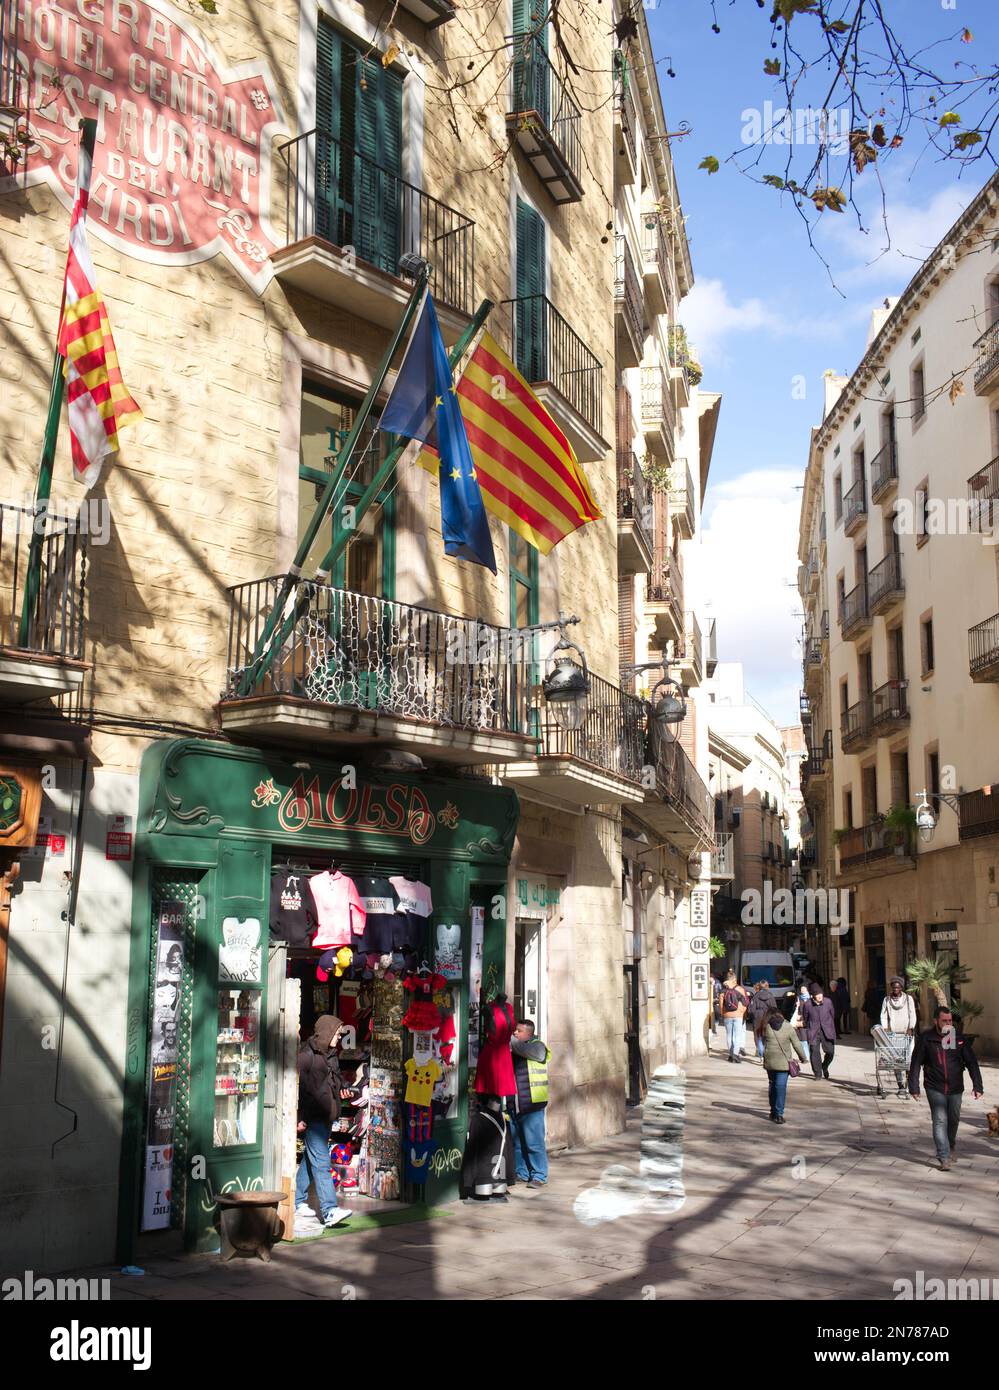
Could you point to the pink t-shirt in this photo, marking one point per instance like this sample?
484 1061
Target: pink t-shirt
339 909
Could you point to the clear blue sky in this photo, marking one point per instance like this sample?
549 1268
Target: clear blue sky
764 314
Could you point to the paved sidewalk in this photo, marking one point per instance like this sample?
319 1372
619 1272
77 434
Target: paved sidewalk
838 1203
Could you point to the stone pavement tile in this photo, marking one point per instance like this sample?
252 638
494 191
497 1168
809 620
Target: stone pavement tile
389 1291
516 1279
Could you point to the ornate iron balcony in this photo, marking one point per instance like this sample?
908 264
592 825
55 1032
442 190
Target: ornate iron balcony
342 197
57 629
546 348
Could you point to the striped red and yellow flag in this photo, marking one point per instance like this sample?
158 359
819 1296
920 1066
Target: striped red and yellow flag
527 471
98 401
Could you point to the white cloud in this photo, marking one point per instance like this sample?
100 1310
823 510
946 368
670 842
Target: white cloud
710 317
866 258
747 567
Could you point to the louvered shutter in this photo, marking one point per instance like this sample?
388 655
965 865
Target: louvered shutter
626 619
327 152
531 337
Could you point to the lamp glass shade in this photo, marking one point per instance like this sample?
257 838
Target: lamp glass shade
669 710
567 690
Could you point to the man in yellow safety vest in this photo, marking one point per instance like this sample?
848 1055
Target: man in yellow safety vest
527 1106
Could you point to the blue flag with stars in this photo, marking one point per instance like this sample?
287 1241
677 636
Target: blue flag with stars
424 405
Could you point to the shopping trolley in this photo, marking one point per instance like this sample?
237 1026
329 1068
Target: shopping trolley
892 1053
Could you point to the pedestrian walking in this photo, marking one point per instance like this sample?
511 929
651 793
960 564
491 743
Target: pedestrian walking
733 1004
716 992
943 1055
528 1104
818 1018
898 1016
761 1005
320 1090
796 1021
780 1043
841 1006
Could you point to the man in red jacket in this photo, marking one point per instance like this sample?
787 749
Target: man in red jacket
943 1056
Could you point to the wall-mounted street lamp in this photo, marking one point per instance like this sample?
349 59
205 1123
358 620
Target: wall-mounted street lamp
926 819
566 685
666 703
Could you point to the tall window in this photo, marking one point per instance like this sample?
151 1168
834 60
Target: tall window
922 496
926 645
918 391
531 345
368 564
358 150
838 496
523 582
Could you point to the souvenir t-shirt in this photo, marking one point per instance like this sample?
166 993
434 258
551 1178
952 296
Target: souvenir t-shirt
420 1086
415 907
292 916
338 907
380 901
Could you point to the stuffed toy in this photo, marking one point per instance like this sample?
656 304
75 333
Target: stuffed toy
343 959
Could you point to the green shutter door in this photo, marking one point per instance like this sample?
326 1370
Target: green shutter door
532 336
530 64
358 151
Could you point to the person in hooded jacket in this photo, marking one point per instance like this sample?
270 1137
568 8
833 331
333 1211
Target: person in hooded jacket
320 1090
780 1043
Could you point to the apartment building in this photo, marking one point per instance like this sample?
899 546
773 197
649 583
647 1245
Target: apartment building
898 581
749 783
664 436
190 722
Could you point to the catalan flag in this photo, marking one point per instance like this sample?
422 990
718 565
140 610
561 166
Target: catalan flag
529 476
97 399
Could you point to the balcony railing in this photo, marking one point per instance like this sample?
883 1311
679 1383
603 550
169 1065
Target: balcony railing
987 363
11 78
884 582
546 348
822 528
681 787
634 493
872 843
341 196
336 647
983 486
657 258
813 652
57 629
855 726
658 412
665 586
854 505
983 650
611 737
681 496
543 112
978 814
627 290
884 470
692 648
624 117
853 612
723 856
889 708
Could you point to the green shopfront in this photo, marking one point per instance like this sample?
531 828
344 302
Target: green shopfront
218 996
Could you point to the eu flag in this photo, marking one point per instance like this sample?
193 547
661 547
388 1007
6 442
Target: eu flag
424 405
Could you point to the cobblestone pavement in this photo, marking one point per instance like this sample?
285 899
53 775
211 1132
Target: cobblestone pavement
838 1203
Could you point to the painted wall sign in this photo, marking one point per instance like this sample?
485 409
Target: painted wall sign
699 982
699 945
182 164
700 899
536 897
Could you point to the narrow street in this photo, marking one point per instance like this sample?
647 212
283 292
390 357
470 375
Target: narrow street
837 1204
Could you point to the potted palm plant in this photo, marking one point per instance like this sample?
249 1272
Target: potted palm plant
941 977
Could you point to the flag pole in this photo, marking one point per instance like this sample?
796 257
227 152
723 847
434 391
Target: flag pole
261 662
43 487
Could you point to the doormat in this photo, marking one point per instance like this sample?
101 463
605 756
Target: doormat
369 1221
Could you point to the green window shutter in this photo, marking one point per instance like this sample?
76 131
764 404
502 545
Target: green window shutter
531 337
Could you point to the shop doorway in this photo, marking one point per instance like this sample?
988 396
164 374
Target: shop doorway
530 974
632 1024
874 943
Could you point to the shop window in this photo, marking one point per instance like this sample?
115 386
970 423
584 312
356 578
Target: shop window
367 566
237 1068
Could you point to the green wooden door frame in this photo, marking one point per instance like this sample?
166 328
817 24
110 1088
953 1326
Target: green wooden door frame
210 809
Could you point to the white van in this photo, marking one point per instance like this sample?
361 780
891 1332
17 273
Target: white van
776 967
